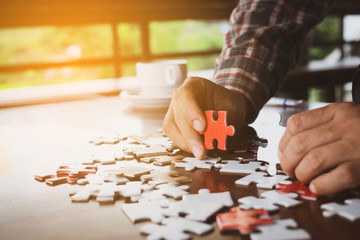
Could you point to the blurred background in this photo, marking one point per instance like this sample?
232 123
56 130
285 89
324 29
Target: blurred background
54 43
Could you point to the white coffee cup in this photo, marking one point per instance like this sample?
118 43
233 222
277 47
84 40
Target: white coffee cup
160 78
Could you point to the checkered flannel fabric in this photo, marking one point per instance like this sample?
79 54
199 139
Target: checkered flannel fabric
263 44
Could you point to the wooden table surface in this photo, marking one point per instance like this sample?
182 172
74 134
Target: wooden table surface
40 137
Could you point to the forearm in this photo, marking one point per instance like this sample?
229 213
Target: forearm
263 43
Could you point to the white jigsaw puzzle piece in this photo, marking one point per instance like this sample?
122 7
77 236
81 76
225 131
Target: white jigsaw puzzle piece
195 209
190 163
272 131
176 192
104 193
350 210
162 191
235 166
146 210
262 180
280 231
204 195
174 229
269 201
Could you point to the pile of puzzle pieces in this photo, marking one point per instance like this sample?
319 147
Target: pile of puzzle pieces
140 171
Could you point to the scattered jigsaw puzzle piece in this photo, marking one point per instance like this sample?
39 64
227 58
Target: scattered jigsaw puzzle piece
175 228
159 160
163 141
242 220
204 195
120 155
100 179
269 201
148 151
131 189
102 158
350 210
75 171
217 130
146 210
262 180
190 164
235 166
130 171
194 209
171 177
56 181
297 187
281 229
43 176
66 173
106 140
270 129
175 192
104 193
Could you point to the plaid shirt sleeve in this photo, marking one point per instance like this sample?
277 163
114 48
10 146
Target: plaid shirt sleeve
263 43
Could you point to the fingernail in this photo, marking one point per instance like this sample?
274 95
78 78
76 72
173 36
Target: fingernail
198 125
197 152
279 155
312 188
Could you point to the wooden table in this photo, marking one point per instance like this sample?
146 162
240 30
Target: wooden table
40 137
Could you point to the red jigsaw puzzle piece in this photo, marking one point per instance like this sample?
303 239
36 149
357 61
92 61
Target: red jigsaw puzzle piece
297 187
216 130
66 174
242 220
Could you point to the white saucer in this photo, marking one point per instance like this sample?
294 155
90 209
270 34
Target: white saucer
146 102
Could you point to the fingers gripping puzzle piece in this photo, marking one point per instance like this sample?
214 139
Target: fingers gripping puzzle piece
280 230
242 220
217 130
175 228
194 209
270 198
191 163
262 180
350 210
172 177
204 195
297 187
234 166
